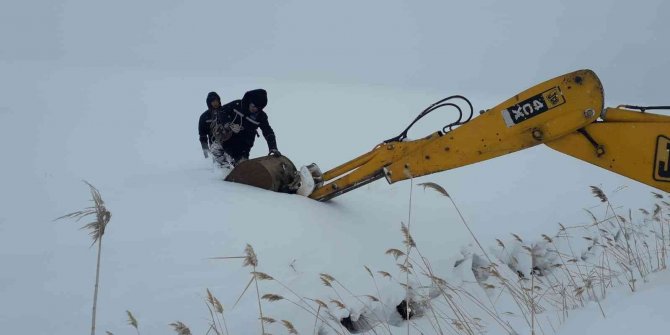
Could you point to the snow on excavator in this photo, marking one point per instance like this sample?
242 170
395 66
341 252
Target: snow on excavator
565 113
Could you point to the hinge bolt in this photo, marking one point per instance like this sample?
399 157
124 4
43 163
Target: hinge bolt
589 113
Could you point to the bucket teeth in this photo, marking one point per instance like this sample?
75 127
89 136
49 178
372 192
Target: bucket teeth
316 173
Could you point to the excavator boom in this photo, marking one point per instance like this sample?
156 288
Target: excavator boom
627 142
566 113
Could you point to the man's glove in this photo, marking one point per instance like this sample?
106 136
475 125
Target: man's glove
274 152
205 152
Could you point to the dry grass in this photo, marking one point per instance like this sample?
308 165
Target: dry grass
96 230
217 318
558 279
180 328
133 321
543 279
96 227
289 327
250 259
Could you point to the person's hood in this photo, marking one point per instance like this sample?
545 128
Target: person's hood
211 97
259 97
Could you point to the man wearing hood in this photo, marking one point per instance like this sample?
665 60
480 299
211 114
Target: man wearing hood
235 129
204 125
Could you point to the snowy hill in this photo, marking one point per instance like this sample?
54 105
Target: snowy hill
133 135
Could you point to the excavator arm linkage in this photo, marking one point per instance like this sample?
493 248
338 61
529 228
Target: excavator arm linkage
566 113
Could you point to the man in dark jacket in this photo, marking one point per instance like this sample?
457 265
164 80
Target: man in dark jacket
204 125
236 125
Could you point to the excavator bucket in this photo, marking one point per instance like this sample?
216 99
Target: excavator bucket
274 173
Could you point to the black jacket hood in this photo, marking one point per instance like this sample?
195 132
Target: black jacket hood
259 97
211 97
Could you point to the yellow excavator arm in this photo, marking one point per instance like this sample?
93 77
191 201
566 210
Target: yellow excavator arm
566 113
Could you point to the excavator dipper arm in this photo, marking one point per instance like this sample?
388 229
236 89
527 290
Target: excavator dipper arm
566 113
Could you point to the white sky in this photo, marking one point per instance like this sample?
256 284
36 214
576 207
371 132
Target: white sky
485 46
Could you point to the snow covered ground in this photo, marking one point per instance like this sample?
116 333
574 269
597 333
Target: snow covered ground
110 93
642 312
132 134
